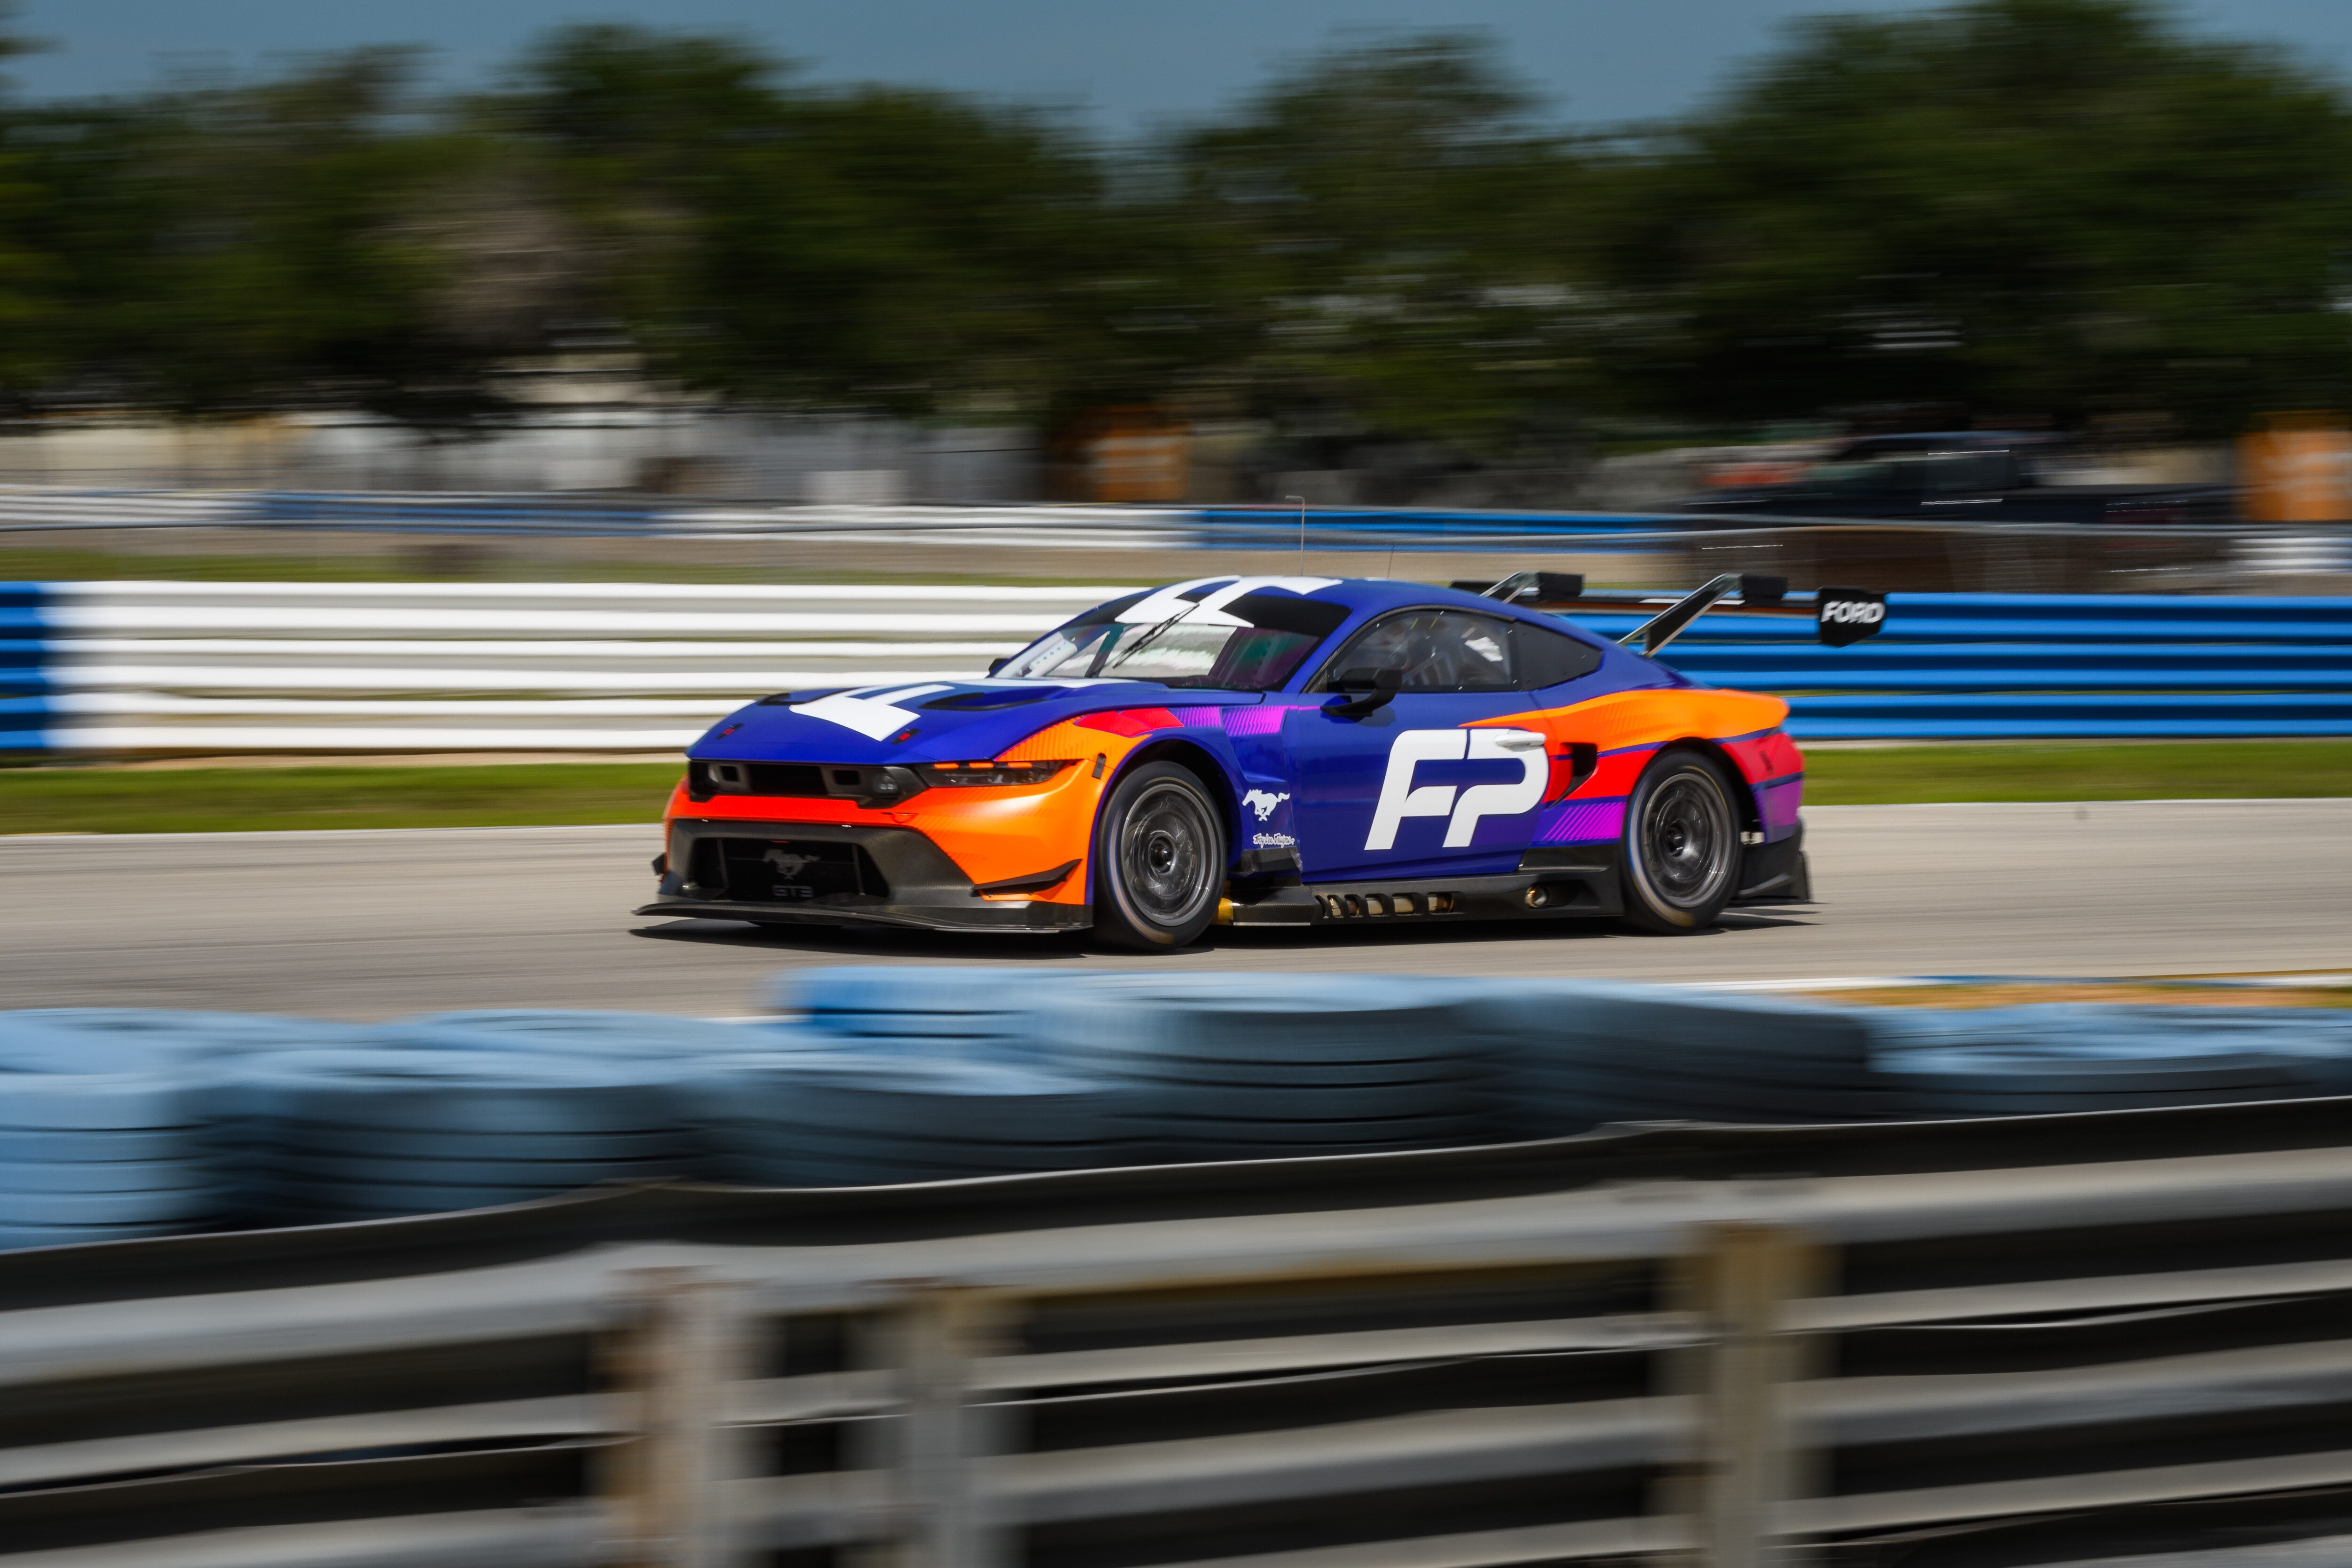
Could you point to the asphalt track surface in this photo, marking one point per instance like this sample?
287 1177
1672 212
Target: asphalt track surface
373 925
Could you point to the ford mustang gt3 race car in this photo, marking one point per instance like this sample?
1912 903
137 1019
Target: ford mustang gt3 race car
1265 751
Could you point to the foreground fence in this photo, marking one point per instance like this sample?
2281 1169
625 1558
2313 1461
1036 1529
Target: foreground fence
2018 1344
194 666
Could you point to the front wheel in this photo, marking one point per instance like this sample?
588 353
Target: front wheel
1160 860
1682 844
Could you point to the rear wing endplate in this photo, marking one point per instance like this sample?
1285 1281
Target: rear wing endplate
1841 615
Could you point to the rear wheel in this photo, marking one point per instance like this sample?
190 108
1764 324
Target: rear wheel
1682 844
1160 860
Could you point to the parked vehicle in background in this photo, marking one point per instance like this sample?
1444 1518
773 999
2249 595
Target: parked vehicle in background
1965 476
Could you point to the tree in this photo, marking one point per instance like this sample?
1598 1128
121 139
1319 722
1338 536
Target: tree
883 248
1387 222
23 310
2058 207
248 248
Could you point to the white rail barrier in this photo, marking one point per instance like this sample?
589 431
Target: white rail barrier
191 666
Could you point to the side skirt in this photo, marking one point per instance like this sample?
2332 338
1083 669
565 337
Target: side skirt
1581 888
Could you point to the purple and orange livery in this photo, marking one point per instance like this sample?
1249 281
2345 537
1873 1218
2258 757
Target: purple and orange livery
1377 748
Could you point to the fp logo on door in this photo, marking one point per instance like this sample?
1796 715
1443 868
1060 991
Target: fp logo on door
1461 806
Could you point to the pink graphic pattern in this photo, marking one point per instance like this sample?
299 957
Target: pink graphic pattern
1582 822
1265 719
1778 804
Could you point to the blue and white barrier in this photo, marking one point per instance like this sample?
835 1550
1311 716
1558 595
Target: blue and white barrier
116 1123
225 667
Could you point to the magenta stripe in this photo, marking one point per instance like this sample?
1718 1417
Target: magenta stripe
1582 822
1263 719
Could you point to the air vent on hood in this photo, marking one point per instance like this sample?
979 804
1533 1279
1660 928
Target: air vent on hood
982 702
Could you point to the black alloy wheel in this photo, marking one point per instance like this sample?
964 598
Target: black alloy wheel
1160 860
1682 844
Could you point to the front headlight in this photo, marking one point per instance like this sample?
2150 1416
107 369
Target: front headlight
968 775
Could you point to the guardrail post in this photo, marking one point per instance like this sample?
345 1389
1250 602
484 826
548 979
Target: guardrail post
1750 1459
682 1346
945 1517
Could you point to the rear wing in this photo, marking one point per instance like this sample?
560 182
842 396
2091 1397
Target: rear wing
1841 616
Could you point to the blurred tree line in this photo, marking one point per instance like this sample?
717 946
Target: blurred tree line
2060 210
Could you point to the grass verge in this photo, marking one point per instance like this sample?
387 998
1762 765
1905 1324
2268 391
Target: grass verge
238 800
100 799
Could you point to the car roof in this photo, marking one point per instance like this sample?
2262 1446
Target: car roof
1370 595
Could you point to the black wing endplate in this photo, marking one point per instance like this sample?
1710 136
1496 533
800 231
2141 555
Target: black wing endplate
1842 616
1846 615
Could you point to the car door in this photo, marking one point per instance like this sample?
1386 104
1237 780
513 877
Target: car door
1402 789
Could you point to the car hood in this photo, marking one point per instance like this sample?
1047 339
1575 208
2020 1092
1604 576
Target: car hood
949 721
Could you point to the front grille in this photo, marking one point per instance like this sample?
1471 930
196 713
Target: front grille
784 871
803 779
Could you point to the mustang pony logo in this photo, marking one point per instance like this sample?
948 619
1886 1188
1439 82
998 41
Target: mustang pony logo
1261 803
787 866
1461 806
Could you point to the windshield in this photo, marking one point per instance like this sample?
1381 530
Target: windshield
1281 631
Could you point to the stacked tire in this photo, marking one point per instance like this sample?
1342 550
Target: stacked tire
2061 1058
375 1133
811 1119
1584 1053
99 1138
1262 1067
581 1035
972 1014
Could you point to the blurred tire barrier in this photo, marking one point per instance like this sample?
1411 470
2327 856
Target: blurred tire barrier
170 1122
1215 1068
1584 1052
111 667
359 1134
980 1013
556 1031
2028 1342
99 1138
2030 1061
807 1119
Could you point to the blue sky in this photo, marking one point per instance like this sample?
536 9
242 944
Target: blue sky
1128 66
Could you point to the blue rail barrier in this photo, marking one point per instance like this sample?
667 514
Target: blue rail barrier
1951 666
79 663
23 673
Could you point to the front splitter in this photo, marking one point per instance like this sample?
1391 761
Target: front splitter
1019 919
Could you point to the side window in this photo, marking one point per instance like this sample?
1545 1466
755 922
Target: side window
1547 658
1436 650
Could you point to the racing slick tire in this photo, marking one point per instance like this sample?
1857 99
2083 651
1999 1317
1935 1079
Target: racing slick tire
1682 844
1160 860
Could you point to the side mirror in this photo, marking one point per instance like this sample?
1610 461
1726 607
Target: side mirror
996 664
1377 688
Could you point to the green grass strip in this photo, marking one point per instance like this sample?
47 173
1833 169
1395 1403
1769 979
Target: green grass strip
243 799
99 800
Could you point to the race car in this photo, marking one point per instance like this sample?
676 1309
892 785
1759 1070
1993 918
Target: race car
1263 750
